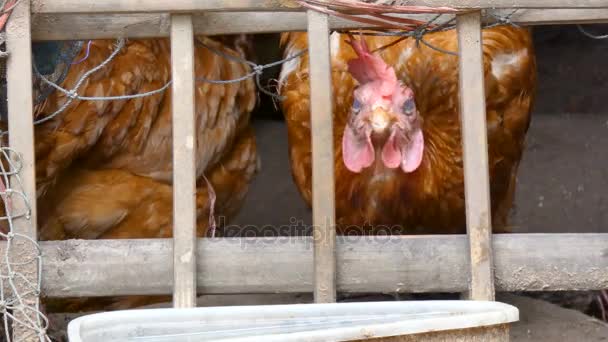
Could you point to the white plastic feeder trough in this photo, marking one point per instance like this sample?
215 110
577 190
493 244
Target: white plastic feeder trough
366 321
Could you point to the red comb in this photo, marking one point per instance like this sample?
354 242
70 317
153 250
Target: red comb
368 67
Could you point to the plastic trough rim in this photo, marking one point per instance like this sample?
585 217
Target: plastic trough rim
467 314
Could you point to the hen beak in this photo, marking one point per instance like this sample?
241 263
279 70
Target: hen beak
379 120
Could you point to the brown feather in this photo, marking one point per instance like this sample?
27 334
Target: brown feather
431 199
104 168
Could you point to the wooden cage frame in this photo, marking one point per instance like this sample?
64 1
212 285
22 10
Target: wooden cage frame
478 264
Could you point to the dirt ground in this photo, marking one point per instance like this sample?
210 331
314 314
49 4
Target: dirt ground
540 321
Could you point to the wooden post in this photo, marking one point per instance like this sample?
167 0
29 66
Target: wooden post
475 156
184 168
21 140
321 127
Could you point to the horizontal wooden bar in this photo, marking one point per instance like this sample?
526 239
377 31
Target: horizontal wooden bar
523 262
173 6
139 6
146 25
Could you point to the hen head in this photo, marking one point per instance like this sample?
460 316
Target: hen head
383 117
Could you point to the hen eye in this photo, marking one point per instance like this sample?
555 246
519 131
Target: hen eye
409 107
356 106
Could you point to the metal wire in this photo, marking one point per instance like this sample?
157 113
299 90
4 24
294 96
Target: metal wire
19 296
72 94
257 69
10 8
591 35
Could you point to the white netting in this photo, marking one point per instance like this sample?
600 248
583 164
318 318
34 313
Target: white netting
20 259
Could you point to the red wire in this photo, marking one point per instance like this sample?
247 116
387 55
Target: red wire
4 16
353 10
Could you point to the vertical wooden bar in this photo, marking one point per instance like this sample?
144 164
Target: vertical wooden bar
321 118
184 169
475 158
21 139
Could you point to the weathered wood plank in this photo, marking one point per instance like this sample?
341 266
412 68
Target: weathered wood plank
475 155
321 127
20 111
184 168
23 253
174 6
140 6
523 262
146 25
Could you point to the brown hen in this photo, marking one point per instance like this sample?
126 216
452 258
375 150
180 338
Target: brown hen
403 164
104 168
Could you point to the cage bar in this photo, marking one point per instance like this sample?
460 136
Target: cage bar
147 25
475 155
524 262
126 6
21 139
184 166
321 127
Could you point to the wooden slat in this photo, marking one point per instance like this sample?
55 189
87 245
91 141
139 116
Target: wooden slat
321 127
145 25
174 6
21 139
475 155
184 168
558 16
532 262
20 110
123 6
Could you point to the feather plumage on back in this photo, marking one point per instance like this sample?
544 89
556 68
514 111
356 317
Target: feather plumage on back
104 168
